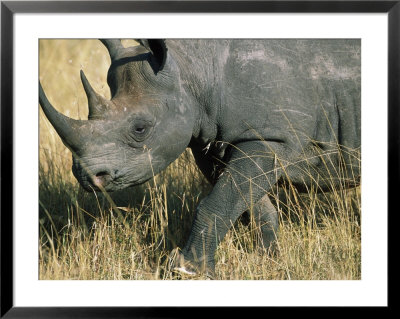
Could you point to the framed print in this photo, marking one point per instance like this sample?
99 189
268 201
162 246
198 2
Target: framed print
196 154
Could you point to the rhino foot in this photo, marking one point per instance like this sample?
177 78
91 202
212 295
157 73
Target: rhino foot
185 267
185 270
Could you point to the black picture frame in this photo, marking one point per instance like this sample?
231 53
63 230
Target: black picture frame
9 8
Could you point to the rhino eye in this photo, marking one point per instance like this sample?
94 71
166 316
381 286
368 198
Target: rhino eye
140 130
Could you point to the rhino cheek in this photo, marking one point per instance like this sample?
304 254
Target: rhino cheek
135 170
174 135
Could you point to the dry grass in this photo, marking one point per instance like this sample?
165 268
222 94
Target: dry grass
82 236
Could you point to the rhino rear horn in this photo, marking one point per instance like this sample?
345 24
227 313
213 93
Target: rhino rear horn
118 52
97 104
68 129
114 47
156 47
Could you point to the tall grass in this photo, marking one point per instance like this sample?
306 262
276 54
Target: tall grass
88 236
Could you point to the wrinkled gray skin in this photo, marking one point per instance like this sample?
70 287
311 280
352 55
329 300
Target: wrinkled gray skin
254 112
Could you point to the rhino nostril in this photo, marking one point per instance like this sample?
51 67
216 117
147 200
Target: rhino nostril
102 174
101 179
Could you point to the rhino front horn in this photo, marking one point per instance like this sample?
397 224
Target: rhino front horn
97 104
68 129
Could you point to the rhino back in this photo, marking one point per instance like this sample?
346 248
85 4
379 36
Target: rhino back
279 89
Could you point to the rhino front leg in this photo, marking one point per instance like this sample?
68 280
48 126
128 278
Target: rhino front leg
249 174
266 217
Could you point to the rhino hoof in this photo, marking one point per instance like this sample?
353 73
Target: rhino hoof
185 270
190 272
179 264
185 267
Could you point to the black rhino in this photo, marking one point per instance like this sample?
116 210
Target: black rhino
254 113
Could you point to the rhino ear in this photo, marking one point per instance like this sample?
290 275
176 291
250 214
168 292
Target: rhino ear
158 50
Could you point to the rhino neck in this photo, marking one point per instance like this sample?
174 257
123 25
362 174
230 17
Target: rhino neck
201 80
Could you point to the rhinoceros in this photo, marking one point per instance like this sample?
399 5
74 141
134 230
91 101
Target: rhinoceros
255 113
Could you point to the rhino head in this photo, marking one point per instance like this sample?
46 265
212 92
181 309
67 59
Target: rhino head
143 128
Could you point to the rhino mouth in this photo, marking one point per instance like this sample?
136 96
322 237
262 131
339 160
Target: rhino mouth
99 183
103 181
92 179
